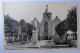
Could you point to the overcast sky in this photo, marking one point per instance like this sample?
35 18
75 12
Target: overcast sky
29 10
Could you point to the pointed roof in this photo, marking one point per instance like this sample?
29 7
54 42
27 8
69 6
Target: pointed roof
56 19
35 20
46 11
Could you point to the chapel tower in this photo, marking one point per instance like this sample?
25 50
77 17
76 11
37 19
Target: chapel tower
46 25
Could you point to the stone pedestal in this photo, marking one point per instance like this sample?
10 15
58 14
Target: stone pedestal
35 40
35 36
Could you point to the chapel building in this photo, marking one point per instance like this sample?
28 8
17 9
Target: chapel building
46 29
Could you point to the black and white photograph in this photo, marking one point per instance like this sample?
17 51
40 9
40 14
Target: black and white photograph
40 25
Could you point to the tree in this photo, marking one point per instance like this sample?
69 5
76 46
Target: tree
70 23
7 24
61 28
11 25
23 25
72 19
30 29
26 28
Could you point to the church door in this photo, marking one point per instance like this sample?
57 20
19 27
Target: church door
45 31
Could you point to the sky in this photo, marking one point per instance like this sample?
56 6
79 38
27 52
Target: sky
30 10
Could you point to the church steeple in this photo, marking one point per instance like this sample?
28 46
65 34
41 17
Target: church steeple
46 11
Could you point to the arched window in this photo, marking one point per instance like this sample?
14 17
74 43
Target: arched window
46 31
45 27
